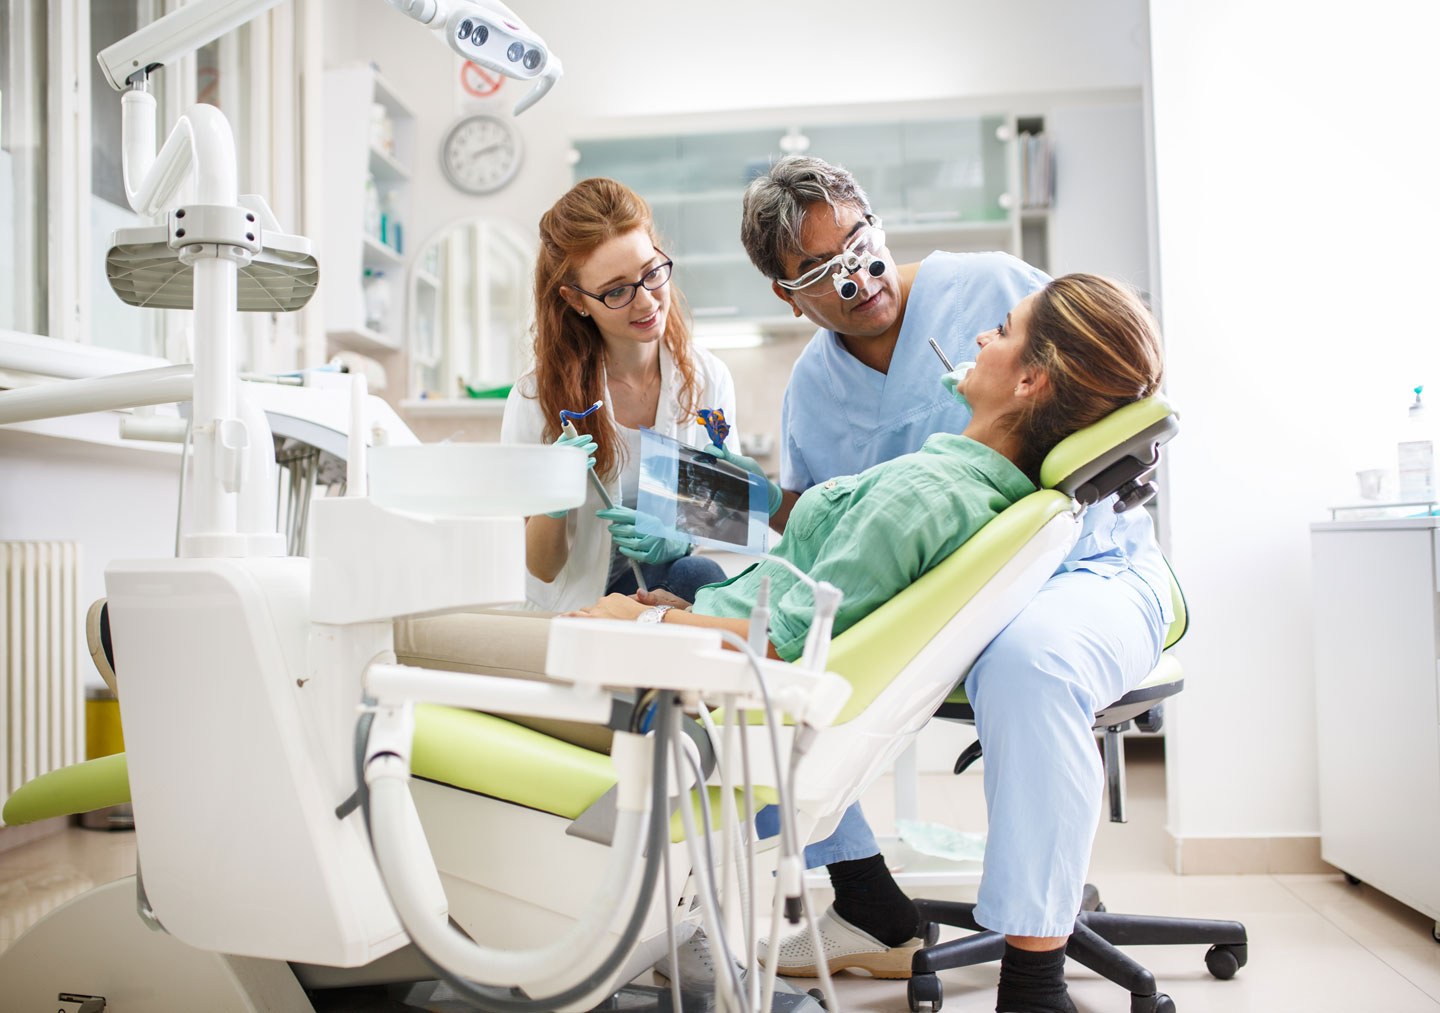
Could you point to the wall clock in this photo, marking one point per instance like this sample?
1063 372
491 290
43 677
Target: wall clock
481 153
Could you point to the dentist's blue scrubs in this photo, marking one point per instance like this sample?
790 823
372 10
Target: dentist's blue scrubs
1093 632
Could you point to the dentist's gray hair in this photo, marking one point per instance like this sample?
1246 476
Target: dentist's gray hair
775 205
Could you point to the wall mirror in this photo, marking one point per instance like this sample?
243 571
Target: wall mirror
470 311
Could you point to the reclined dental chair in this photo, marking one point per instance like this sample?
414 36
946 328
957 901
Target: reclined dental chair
497 800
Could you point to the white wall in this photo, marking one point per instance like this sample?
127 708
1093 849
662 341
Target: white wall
1297 218
1099 150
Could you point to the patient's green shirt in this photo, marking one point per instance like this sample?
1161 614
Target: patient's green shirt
873 534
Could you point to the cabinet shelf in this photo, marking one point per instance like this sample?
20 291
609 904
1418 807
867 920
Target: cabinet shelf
936 184
377 254
363 339
483 407
427 279
385 168
353 159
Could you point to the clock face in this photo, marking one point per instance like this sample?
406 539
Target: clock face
480 154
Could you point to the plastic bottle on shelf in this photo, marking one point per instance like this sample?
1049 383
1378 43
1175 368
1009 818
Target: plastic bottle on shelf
382 129
1416 453
391 232
377 299
372 207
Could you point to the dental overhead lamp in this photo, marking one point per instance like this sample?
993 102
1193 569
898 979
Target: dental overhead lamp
489 34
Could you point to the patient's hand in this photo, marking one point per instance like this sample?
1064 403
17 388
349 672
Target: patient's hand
612 606
661 598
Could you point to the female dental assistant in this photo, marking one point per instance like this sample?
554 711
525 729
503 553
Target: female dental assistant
609 328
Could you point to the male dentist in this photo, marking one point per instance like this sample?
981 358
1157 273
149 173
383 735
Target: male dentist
865 389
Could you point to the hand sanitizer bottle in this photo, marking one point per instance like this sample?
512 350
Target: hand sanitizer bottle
1417 457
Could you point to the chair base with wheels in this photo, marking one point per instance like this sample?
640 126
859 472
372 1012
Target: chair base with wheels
1098 934
1095 942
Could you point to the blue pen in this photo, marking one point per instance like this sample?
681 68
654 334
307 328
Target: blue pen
567 426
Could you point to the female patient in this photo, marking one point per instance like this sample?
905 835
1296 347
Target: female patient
1064 358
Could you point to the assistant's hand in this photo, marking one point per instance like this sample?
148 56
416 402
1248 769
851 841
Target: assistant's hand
635 543
612 606
648 598
753 467
585 443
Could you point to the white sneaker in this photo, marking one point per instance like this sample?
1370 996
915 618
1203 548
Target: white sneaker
697 966
845 946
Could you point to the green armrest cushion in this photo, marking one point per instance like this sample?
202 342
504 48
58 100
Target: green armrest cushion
78 788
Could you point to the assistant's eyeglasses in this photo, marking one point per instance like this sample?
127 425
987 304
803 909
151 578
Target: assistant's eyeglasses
623 295
862 253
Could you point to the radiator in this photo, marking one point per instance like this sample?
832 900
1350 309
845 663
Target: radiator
42 724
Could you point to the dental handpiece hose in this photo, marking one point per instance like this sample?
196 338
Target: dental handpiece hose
570 431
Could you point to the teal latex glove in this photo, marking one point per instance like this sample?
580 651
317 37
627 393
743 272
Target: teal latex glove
635 543
753 467
585 443
951 381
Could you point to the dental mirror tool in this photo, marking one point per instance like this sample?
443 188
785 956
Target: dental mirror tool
943 361
567 426
953 374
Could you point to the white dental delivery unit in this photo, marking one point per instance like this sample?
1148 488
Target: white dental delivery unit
271 735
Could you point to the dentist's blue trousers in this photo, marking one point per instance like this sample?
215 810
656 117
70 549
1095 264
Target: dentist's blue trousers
1081 644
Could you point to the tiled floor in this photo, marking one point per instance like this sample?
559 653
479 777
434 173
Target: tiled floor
1317 944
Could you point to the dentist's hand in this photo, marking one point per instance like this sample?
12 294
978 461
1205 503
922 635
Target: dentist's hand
951 381
753 467
635 543
585 443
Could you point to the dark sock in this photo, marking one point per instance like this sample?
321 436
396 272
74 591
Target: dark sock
867 896
1033 982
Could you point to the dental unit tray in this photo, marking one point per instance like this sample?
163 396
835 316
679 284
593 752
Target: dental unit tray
145 270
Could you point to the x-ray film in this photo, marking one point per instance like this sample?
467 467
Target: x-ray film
697 498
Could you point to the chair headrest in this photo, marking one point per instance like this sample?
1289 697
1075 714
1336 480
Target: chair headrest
1115 454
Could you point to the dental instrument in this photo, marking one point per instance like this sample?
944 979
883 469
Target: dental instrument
567 426
715 424
943 360
953 374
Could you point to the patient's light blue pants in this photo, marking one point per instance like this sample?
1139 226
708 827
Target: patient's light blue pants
1081 644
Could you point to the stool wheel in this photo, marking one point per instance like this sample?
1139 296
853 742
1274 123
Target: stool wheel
1222 962
924 988
1158 1003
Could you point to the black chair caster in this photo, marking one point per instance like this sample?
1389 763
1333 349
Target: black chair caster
924 988
819 996
1157 1003
1224 959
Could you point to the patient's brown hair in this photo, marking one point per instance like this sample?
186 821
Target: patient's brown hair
1100 348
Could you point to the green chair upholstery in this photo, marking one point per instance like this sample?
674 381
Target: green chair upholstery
474 752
